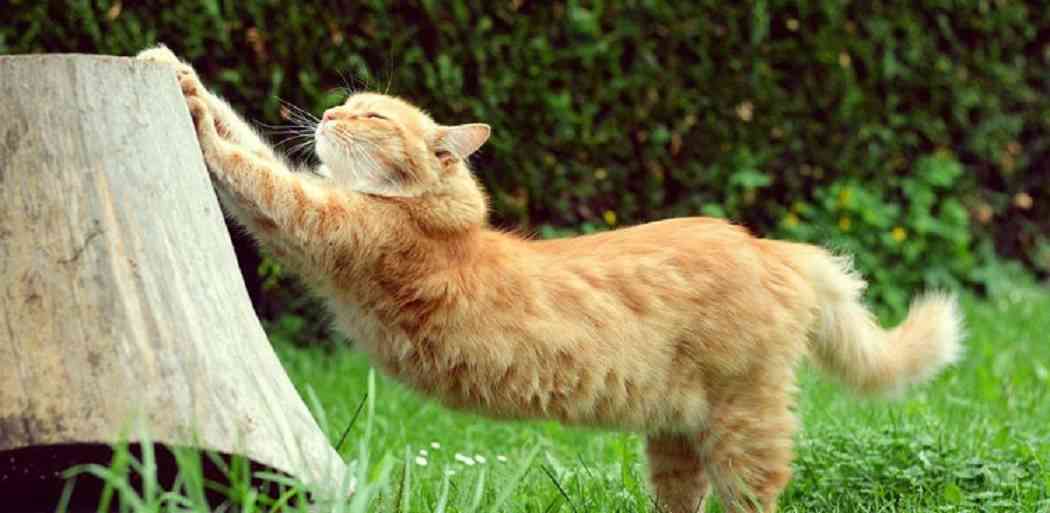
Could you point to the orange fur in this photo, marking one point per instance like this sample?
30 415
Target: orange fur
688 330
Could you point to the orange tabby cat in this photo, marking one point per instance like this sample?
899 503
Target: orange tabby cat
687 330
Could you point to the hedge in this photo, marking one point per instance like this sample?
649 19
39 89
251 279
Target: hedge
914 134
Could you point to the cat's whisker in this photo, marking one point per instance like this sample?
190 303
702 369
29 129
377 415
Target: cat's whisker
300 146
294 141
346 86
366 164
357 153
292 130
342 137
269 125
389 74
300 127
349 139
293 106
293 110
304 131
296 134
293 135
354 85
299 154
298 120
296 137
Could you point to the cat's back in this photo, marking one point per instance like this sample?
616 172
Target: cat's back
691 235
650 286
684 261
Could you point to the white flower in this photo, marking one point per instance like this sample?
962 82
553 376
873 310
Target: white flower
435 445
501 458
423 452
466 460
479 458
421 461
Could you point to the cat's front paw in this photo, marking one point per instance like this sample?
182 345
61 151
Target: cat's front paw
184 73
159 53
203 121
191 85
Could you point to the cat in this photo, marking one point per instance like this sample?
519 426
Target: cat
686 330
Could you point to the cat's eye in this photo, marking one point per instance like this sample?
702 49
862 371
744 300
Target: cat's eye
373 115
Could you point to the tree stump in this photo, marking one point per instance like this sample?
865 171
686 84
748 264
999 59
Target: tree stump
120 297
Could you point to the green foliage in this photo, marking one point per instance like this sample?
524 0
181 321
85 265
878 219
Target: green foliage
917 462
620 111
895 229
303 319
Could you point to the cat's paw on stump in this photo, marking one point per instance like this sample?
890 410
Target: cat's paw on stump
184 73
202 118
159 53
190 85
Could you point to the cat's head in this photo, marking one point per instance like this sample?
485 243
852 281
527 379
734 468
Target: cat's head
382 145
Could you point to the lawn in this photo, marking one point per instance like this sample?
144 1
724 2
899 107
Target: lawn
977 439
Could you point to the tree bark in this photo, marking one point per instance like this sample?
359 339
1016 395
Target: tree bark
120 297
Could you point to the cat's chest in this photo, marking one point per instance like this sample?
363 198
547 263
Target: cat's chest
369 332
359 324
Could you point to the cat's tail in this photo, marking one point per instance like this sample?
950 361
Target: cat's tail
848 343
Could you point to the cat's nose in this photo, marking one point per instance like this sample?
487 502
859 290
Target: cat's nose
334 114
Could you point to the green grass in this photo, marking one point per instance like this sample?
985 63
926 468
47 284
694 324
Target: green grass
977 439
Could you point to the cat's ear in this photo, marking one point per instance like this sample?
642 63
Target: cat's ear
460 141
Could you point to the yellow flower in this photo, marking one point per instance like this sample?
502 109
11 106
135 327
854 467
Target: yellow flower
844 223
844 196
610 217
791 220
899 234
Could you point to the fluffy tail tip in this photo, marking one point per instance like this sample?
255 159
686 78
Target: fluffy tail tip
935 323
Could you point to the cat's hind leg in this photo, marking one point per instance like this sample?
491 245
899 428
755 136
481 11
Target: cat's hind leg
676 473
748 452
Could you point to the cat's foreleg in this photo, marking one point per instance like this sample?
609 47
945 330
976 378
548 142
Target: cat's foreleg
273 202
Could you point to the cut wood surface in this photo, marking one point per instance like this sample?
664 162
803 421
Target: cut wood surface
120 297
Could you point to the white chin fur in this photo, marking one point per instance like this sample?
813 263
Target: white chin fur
323 148
357 175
